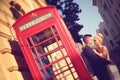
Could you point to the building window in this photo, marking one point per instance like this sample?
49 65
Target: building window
105 19
105 32
119 5
112 31
105 6
108 2
111 43
111 1
116 16
118 12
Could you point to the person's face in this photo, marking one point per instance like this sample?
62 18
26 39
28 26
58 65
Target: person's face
96 41
89 40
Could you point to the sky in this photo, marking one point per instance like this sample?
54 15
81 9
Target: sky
89 17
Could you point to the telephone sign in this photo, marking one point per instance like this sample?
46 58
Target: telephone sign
48 47
36 21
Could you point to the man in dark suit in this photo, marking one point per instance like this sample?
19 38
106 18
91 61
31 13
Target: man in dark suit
95 64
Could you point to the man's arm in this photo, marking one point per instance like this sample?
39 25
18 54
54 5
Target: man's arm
94 57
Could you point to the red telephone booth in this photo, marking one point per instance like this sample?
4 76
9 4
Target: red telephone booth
48 47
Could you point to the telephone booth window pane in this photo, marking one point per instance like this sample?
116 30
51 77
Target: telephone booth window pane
50 56
75 75
42 47
34 53
37 60
39 37
55 56
43 75
29 42
52 44
49 72
40 50
62 70
38 63
54 30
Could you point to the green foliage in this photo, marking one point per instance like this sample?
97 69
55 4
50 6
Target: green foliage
69 11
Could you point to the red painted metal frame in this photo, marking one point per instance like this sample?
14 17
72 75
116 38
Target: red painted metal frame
64 34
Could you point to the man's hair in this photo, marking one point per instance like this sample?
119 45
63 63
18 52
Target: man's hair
86 36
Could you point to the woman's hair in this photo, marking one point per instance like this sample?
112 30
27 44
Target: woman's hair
99 38
100 35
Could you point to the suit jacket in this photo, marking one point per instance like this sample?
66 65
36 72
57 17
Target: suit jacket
96 65
91 56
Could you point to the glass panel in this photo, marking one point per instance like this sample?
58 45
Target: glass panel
60 66
62 71
29 42
47 46
75 75
68 75
54 30
49 72
45 60
73 70
34 53
64 51
55 56
52 44
69 62
38 63
43 75
40 50
42 36
51 56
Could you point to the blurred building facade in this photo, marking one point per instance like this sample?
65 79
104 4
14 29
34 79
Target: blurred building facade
110 28
12 62
108 39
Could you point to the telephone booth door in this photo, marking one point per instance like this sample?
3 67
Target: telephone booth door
48 47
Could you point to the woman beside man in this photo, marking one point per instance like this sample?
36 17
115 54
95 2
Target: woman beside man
102 51
96 59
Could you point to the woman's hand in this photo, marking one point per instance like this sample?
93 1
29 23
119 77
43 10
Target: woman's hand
99 54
